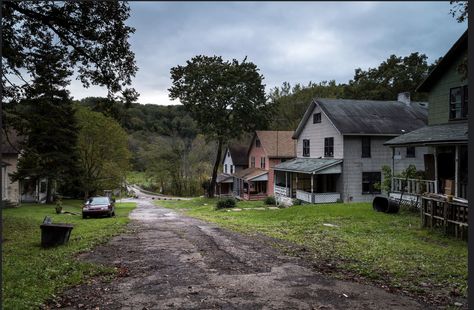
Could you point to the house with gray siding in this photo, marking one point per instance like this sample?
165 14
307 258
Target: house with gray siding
340 149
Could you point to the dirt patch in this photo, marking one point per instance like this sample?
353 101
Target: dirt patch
170 261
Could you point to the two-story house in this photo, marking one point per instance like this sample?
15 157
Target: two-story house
446 134
10 152
340 149
235 160
267 149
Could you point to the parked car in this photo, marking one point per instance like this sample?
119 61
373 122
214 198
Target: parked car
99 206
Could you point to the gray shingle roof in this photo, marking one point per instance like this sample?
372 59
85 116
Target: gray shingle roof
307 165
239 154
250 173
433 134
369 117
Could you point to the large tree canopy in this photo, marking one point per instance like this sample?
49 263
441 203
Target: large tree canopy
92 36
225 98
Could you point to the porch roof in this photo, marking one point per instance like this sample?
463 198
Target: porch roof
251 173
224 178
307 165
432 135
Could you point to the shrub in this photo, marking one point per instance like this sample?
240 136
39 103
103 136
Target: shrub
297 202
225 203
270 200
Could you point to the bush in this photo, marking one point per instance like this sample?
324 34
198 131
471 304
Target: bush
270 200
297 202
225 203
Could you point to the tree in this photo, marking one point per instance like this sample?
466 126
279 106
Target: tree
46 118
91 35
460 10
103 151
225 98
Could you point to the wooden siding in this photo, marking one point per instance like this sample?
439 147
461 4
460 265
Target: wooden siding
438 109
316 134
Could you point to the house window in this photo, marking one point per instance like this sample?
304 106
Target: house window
252 161
257 143
305 147
329 147
458 103
371 182
411 152
225 168
262 162
231 169
316 118
365 147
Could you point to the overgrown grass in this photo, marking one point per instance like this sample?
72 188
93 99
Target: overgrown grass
389 249
141 179
32 274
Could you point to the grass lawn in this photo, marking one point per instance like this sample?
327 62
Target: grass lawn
388 249
32 274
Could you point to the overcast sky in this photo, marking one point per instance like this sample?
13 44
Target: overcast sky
295 42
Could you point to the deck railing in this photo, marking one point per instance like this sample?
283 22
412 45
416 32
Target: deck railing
318 197
413 186
283 191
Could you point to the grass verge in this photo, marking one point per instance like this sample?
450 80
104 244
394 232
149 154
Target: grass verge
32 274
351 240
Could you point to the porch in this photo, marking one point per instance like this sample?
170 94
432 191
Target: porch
311 180
250 184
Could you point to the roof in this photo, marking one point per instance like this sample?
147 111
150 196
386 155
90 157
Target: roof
454 52
369 117
250 173
307 165
277 144
433 134
239 154
10 141
222 177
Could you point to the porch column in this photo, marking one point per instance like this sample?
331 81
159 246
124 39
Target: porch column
286 179
296 181
312 177
392 186
436 168
456 172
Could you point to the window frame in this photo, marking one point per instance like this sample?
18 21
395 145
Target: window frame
463 108
306 147
366 151
410 154
328 147
262 162
317 118
371 182
225 168
252 161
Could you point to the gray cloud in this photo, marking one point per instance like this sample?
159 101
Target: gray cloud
294 42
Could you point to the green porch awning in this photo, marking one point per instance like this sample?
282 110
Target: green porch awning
455 133
311 165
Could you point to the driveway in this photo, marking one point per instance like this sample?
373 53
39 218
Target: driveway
170 261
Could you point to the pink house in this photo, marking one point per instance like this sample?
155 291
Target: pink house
267 149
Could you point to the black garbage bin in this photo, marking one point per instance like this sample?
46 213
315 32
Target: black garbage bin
55 234
385 204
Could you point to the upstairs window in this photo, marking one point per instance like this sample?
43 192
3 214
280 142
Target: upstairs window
411 152
458 103
257 142
329 147
252 161
371 182
232 169
262 162
225 168
305 147
365 147
316 118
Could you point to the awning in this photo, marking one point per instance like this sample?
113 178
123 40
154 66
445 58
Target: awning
311 165
454 133
252 174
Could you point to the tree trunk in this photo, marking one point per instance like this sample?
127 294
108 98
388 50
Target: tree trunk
214 170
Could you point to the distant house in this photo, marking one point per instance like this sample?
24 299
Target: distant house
235 160
10 151
340 148
446 134
267 149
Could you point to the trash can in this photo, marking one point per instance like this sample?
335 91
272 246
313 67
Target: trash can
385 204
55 234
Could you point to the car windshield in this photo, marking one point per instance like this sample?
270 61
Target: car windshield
98 201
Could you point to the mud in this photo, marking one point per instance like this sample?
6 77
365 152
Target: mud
170 261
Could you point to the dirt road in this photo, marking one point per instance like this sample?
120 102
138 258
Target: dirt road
170 261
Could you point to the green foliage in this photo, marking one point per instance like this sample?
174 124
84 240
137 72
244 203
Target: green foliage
103 151
91 36
269 200
31 274
393 250
226 203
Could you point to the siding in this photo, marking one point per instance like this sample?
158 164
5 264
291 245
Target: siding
228 162
316 134
438 110
354 165
10 191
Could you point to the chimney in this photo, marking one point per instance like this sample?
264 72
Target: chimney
404 97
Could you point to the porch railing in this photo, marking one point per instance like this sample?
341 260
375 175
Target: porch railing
283 191
413 186
451 217
318 197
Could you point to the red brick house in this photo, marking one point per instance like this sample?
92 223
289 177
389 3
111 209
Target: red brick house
267 149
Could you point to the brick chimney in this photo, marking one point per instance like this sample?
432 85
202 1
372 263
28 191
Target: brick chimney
404 97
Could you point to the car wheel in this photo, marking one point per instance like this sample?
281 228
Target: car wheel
84 216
